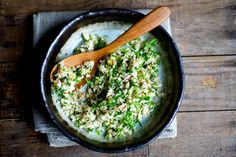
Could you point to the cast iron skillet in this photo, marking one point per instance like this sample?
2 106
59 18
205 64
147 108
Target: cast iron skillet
173 84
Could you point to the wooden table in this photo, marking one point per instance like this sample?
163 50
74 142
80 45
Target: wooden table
205 32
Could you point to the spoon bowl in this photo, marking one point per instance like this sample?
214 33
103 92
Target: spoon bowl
171 65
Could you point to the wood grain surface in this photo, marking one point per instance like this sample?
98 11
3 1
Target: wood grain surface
205 31
204 27
205 134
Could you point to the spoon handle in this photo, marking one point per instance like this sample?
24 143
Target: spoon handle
146 24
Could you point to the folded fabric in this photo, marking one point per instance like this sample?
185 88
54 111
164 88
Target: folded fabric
43 22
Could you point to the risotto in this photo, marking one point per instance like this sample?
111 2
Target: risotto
124 90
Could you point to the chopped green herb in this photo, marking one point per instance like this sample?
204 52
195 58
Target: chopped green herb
121 93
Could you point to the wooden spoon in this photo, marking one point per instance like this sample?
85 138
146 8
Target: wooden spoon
146 24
